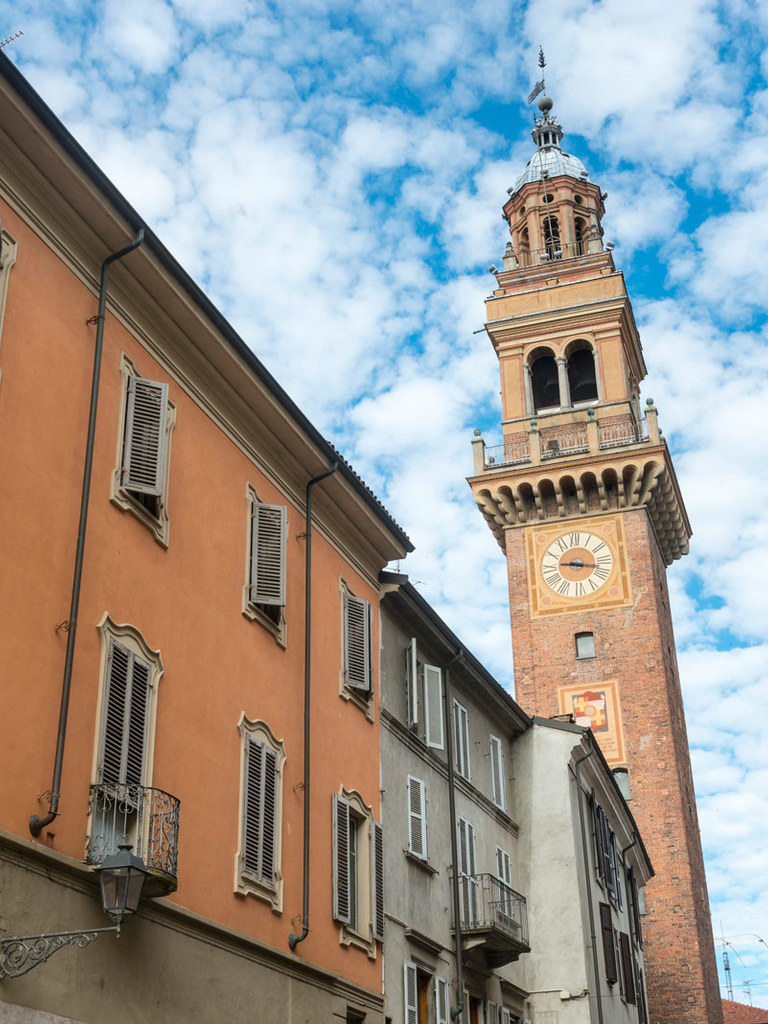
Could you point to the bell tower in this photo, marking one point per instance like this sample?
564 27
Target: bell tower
583 500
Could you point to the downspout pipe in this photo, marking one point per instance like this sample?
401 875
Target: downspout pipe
293 939
36 823
457 1010
587 873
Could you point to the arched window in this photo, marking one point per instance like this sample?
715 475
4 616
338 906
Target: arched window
580 229
552 238
525 248
546 393
581 375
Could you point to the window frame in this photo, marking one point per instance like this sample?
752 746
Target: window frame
129 499
580 655
357 629
498 782
257 734
349 810
269 613
461 743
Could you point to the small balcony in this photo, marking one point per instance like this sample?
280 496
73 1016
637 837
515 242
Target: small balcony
494 921
146 818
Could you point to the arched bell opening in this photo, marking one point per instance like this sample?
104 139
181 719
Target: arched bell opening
551 230
544 383
580 235
582 377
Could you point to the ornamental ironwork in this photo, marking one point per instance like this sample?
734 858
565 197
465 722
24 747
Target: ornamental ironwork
22 953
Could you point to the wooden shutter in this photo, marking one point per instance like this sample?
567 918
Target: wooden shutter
634 896
357 643
503 866
442 1007
260 826
377 880
497 771
268 533
411 993
126 717
627 967
433 707
461 739
609 949
411 682
144 440
341 880
417 817
468 882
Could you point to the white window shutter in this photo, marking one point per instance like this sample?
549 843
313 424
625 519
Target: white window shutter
126 715
417 818
341 880
467 873
433 707
357 643
503 866
411 993
442 1006
506 1016
377 880
411 675
461 739
260 811
268 533
497 772
491 1013
144 441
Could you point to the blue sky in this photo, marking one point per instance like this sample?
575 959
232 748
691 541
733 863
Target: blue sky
333 175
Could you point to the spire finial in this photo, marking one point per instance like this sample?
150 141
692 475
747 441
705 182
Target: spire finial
542 62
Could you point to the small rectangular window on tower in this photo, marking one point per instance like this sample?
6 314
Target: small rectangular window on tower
585 645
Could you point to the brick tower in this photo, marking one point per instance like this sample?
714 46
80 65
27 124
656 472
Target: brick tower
583 500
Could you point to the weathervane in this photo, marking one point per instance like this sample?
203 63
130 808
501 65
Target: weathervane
539 87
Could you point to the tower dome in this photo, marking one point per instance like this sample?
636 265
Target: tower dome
549 160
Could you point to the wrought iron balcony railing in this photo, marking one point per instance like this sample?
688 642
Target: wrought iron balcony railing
487 902
146 818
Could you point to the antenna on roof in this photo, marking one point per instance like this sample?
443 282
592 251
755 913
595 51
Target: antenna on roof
10 39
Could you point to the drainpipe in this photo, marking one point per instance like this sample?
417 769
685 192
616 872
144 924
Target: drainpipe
458 1009
593 936
294 940
36 823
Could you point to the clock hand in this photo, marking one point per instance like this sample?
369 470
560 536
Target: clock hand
577 563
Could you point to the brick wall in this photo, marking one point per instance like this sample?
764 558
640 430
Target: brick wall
634 648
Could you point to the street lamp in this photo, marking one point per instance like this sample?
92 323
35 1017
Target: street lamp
121 879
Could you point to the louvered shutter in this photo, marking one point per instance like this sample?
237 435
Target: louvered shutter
417 817
268 532
461 739
144 441
491 1013
642 1012
126 715
260 811
341 880
506 1016
497 771
628 967
442 1008
411 993
467 873
635 908
377 880
616 865
357 643
433 707
609 949
411 681
503 866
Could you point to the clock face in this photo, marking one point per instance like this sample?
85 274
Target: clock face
577 564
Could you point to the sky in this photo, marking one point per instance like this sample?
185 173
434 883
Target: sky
332 174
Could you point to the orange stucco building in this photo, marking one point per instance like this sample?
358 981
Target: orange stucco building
185 703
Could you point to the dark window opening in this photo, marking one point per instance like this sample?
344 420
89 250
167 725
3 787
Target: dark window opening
581 376
580 231
552 238
546 392
585 645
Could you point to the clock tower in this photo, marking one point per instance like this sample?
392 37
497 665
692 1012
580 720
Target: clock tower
583 500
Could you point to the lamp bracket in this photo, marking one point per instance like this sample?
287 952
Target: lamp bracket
20 953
